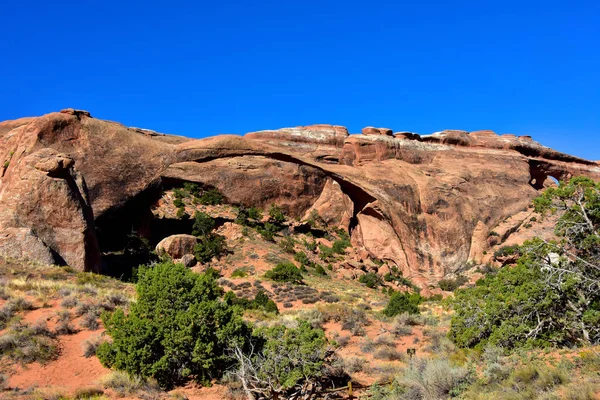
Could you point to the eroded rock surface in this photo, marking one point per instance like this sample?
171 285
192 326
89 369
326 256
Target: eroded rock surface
424 203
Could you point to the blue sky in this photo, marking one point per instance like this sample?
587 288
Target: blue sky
203 68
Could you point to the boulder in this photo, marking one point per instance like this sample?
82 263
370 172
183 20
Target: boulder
188 260
177 246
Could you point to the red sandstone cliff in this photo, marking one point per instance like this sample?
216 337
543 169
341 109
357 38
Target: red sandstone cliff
71 185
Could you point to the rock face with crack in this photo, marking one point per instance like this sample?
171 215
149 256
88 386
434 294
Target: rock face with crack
72 186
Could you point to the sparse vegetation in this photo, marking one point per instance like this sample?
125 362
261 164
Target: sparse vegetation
171 299
276 215
125 384
301 258
403 303
240 273
288 244
209 246
291 360
211 197
371 280
89 346
25 344
325 252
285 272
518 306
450 285
506 251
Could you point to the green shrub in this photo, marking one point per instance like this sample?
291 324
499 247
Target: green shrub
179 193
287 244
248 217
340 245
239 273
518 306
301 258
268 231
315 220
178 203
325 252
403 302
255 214
450 285
209 246
285 272
181 214
310 245
161 336
211 197
506 251
242 217
276 215
192 188
262 301
319 270
203 224
371 280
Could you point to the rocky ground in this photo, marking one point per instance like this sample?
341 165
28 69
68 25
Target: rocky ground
59 309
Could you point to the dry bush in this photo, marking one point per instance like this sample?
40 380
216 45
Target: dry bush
432 379
64 291
11 307
329 297
49 393
438 342
343 340
352 365
313 316
4 294
89 321
352 319
88 393
401 330
367 345
90 345
409 319
385 340
310 300
125 384
87 307
113 300
40 328
21 344
580 391
64 326
388 354
69 302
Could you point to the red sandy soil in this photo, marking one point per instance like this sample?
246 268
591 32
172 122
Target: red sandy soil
72 371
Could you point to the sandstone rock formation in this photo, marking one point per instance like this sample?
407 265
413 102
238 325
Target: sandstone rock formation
73 186
177 246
